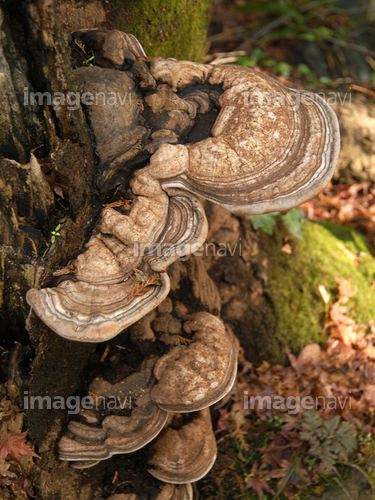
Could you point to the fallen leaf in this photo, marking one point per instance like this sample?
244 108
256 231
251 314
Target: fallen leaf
309 355
319 489
354 259
324 294
369 394
259 484
57 189
287 249
4 466
119 203
14 446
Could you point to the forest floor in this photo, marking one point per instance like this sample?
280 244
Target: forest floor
283 453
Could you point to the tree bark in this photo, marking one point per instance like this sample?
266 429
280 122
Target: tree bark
36 137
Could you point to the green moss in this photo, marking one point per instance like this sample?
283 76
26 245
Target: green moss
294 279
166 28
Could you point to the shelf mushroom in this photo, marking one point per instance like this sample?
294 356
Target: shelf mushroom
227 134
270 148
167 492
196 377
108 292
187 454
188 379
87 443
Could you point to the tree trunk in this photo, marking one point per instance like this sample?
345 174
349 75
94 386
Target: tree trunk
50 137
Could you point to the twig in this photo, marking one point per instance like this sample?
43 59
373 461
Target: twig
371 62
276 23
232 34
342 43
346 492
223 57
266 29
363 90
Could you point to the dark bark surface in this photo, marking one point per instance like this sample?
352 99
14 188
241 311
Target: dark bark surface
38 138
34 58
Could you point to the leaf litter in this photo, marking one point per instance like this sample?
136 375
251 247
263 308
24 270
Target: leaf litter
352 205
16 456
286 446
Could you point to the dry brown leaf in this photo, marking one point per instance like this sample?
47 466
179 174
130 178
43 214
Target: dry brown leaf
345 290
119 203
4 469
259 484
14 446
309 355
287 249
57 189
240 431
369 394
318 490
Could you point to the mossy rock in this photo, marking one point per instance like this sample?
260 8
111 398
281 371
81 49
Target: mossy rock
317 259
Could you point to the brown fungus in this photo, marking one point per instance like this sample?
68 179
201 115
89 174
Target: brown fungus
113 106
176 492
228 134
123 496
88 443
187 454
167 492
111 48
195 377
81 311
102 298
272 148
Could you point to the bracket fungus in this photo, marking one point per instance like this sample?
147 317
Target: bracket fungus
269 148
186 454
88 443
196 377
102 298
176 492
167 492
189 379
272 148
227 134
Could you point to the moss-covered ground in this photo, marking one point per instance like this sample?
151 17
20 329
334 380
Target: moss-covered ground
317 259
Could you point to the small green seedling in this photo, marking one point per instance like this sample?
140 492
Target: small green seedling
88 61
55 233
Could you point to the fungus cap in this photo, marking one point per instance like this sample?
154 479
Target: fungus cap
187 454
195 377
